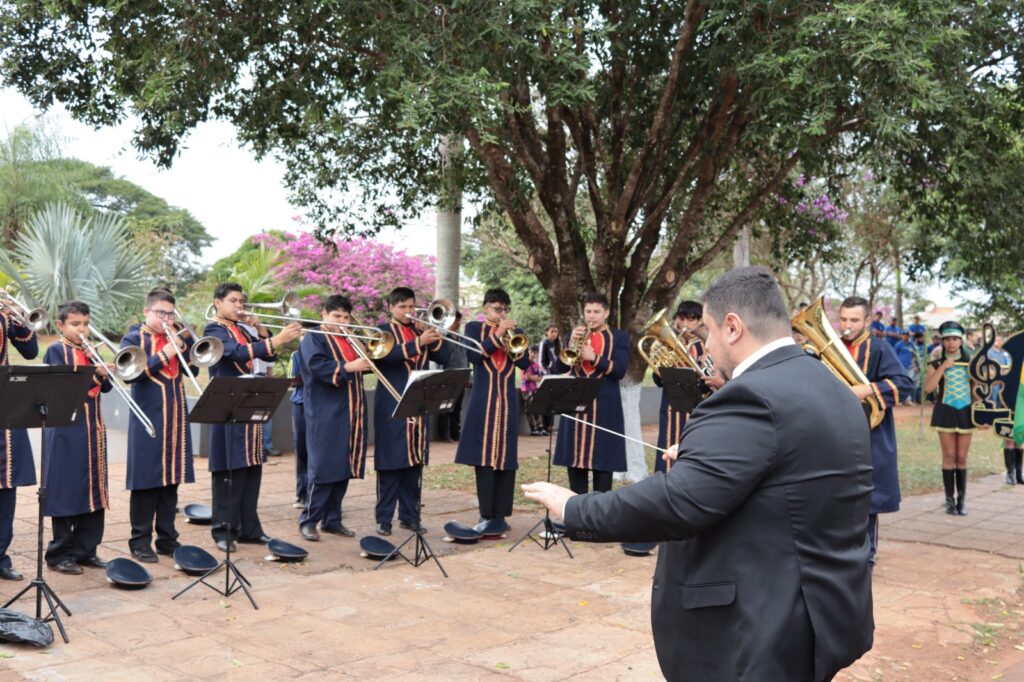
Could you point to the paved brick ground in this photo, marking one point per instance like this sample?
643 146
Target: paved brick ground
526 615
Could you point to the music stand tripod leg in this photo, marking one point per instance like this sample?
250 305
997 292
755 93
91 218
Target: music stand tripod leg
551 538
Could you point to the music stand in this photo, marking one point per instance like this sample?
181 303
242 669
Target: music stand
235 400
427 393
40 397
554 395
682 387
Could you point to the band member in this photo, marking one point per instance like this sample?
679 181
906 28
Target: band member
157 466
548 349
236 450
890 383
604 353
299 432
670 420
335 413
17 467
401 446
490 438
951 415
76 456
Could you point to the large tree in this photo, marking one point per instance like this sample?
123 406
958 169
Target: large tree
672 123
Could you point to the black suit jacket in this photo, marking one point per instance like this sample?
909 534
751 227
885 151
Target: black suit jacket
764 571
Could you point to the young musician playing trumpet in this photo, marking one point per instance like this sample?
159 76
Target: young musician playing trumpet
157 466
17 467
490 436
401 446
335 412
604 353
76 456
238 448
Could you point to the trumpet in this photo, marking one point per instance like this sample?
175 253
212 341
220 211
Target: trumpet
129 363
515 344
440 315
570 355
35 320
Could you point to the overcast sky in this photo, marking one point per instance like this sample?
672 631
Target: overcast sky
223 185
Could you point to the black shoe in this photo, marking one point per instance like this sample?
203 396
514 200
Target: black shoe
309 532
260 540
10 574
950 506
145 554
383 529
961 508
1018 461
167 552
93 562
299 503
411 525
222 545
340 530
68 566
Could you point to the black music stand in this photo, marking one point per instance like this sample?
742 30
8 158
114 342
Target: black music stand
41 397
682 388
554 395
432 392
235 400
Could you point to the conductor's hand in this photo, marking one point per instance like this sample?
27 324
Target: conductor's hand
550 495
429 337
672 454
357 365
288 334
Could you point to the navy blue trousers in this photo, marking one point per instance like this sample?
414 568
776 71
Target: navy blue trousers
8 498
402 487
301 454
323 505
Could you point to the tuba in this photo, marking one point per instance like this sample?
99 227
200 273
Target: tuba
824 343
660 346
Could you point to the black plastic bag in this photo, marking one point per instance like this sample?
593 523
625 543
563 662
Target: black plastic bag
17 627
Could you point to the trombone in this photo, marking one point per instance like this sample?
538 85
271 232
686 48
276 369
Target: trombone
376 348
206 351
129 363
181 358
35 320
359 331
440 315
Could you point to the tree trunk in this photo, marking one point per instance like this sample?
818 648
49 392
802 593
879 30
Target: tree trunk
449 230
899 286
636 458
741 249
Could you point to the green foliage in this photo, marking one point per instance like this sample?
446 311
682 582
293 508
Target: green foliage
677 123
26 182
64 255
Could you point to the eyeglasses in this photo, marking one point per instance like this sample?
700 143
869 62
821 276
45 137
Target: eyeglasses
163 314
501 309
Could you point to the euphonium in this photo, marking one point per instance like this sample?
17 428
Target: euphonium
823 341
660 346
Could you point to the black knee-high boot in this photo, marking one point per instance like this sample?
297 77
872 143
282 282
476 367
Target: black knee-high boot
961 488
1018 459
947 482
1008 454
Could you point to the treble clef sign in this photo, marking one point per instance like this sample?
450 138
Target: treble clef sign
986 372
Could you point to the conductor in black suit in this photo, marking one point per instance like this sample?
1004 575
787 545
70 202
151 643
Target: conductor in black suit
764 571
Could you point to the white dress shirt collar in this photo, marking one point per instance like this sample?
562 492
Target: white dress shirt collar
760 353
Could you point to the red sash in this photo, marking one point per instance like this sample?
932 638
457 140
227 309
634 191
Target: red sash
159 342
344 347
80 357
498 357
597 343
241 339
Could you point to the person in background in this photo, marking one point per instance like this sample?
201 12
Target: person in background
893 333
935 343
877 326
916 327
528 386
299 431
905 353
974 341
548 349
921 363
449 424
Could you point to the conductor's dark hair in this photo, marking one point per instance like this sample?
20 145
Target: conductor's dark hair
752 294
596 297
71 308
399 294
225 288
689 310
158 295
497 296
854 301
337 302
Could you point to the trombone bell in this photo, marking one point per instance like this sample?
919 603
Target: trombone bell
129 363
207 352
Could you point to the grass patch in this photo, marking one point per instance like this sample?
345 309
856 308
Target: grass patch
919 457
